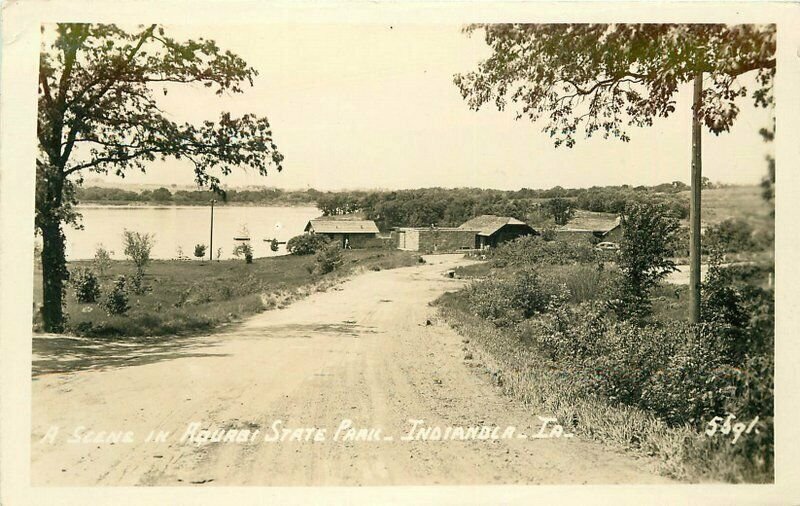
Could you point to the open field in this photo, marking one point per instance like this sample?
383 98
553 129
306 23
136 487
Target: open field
194 296
743 202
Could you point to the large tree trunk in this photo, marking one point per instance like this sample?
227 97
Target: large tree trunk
54 270
54 275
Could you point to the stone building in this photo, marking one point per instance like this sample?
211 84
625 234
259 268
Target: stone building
434 239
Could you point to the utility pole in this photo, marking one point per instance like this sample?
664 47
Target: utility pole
211 238
694 210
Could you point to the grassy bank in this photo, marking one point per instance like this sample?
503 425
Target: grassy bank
679 452
544 333
196 296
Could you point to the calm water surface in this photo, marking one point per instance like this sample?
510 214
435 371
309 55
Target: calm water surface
185 226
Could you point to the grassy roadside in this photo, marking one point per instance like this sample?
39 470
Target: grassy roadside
680 452
196 296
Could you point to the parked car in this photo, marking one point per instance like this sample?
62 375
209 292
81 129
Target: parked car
607 246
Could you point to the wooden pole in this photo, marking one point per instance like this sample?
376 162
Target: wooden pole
211 238
695 209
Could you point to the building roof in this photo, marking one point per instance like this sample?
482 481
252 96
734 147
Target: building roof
488 224
588 221
326 226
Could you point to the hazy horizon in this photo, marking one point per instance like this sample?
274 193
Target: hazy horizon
173 187
374 106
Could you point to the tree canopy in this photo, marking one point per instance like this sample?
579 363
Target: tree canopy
606 77
98 112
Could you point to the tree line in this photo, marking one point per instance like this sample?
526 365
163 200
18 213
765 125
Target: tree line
442 207
452 207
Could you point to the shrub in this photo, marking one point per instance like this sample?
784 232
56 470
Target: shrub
694 382
649 233
744 313
102 259
730 236
199 250
534 250
549 234
679 371
328 259
116 301
138 247
306 244
244 250
507 301
86 285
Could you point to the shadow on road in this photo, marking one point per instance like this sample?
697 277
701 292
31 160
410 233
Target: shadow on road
60 354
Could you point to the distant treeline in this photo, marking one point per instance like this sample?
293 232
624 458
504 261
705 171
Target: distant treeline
452 207
423 207
266 196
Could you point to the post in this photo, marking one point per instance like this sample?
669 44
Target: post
695 208
211 238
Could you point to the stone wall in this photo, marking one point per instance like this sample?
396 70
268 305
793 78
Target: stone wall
445 241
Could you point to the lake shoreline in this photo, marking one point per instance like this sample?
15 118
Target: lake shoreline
178 229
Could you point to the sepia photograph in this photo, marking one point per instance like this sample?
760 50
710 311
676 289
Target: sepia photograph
370 254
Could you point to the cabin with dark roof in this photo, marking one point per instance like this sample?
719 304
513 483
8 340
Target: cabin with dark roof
591 227
491 230
348 233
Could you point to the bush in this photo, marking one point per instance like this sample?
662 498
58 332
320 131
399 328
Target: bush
328 259
102 259
649 233
678 371
744 313
200 250
244 250
507 301
549 234
306 244
534 250
86 285
116 301
138 247
730 236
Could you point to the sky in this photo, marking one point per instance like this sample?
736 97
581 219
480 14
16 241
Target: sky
374 106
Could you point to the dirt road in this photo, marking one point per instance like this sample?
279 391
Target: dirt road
361 352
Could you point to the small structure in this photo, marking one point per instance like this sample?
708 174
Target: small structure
491 230
591 227
433 239
348 233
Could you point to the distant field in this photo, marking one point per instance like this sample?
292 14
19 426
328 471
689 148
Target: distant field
735 202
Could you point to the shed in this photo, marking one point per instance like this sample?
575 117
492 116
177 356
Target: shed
349 233
591 226
491 230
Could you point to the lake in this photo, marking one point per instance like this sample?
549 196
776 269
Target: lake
185 226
